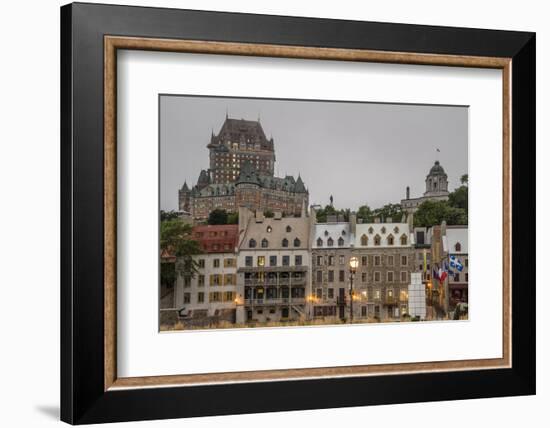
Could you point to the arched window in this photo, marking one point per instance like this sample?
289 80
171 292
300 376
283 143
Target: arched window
252 243
343 233
403 239
319 242
371 230
395 229
458 247
377 240
364 240
340 242
285 243
289 229
264 243
383 230
326 232
390 239
330 242
297 242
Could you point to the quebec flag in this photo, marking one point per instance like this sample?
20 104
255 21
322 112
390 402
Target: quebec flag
455 263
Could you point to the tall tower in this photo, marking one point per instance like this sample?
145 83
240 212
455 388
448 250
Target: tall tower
237 142
184 195
436 181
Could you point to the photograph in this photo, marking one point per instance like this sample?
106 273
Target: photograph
291 212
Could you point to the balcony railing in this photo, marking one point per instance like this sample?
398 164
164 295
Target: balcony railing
275 282
276 301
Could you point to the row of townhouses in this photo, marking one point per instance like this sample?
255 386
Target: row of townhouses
291 268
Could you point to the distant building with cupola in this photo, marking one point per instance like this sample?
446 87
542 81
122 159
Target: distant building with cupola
437 189
241 174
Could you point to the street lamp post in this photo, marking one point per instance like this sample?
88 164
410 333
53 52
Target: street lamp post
353 263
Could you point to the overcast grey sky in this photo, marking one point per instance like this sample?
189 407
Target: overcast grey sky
361 153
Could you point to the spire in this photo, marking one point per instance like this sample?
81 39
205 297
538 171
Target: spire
184 187
299 186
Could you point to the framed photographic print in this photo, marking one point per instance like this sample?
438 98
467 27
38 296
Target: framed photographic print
272 213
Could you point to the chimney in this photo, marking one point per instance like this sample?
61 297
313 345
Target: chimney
408 192
410 221
277 215
389 220
352 222
313 212
377 219
244 217
259 216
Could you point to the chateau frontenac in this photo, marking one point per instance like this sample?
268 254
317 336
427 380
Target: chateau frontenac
241 174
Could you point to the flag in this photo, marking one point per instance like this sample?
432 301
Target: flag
442 274
448 269
435 273
455 263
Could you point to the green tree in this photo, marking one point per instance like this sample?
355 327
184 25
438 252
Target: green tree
168 215
323 213
365 213
459 198
175 239
431 213
233 218
217 216
269 214
392 211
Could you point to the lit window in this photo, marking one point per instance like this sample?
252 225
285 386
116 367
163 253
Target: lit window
261 261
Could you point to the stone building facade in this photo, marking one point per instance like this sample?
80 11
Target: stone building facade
241 173
331 247
209 296
273 262
456 238
437 189
386 255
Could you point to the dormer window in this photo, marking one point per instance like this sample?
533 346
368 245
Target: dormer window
343 233
383 230
390 240
458 247
252 243
377 240
395 229
403 239
340 242
288 229
364 240
326 232
330 242
371 230
297 242
285 243
319 242
265 243
269 229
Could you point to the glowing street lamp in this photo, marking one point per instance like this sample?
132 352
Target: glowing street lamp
353 263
